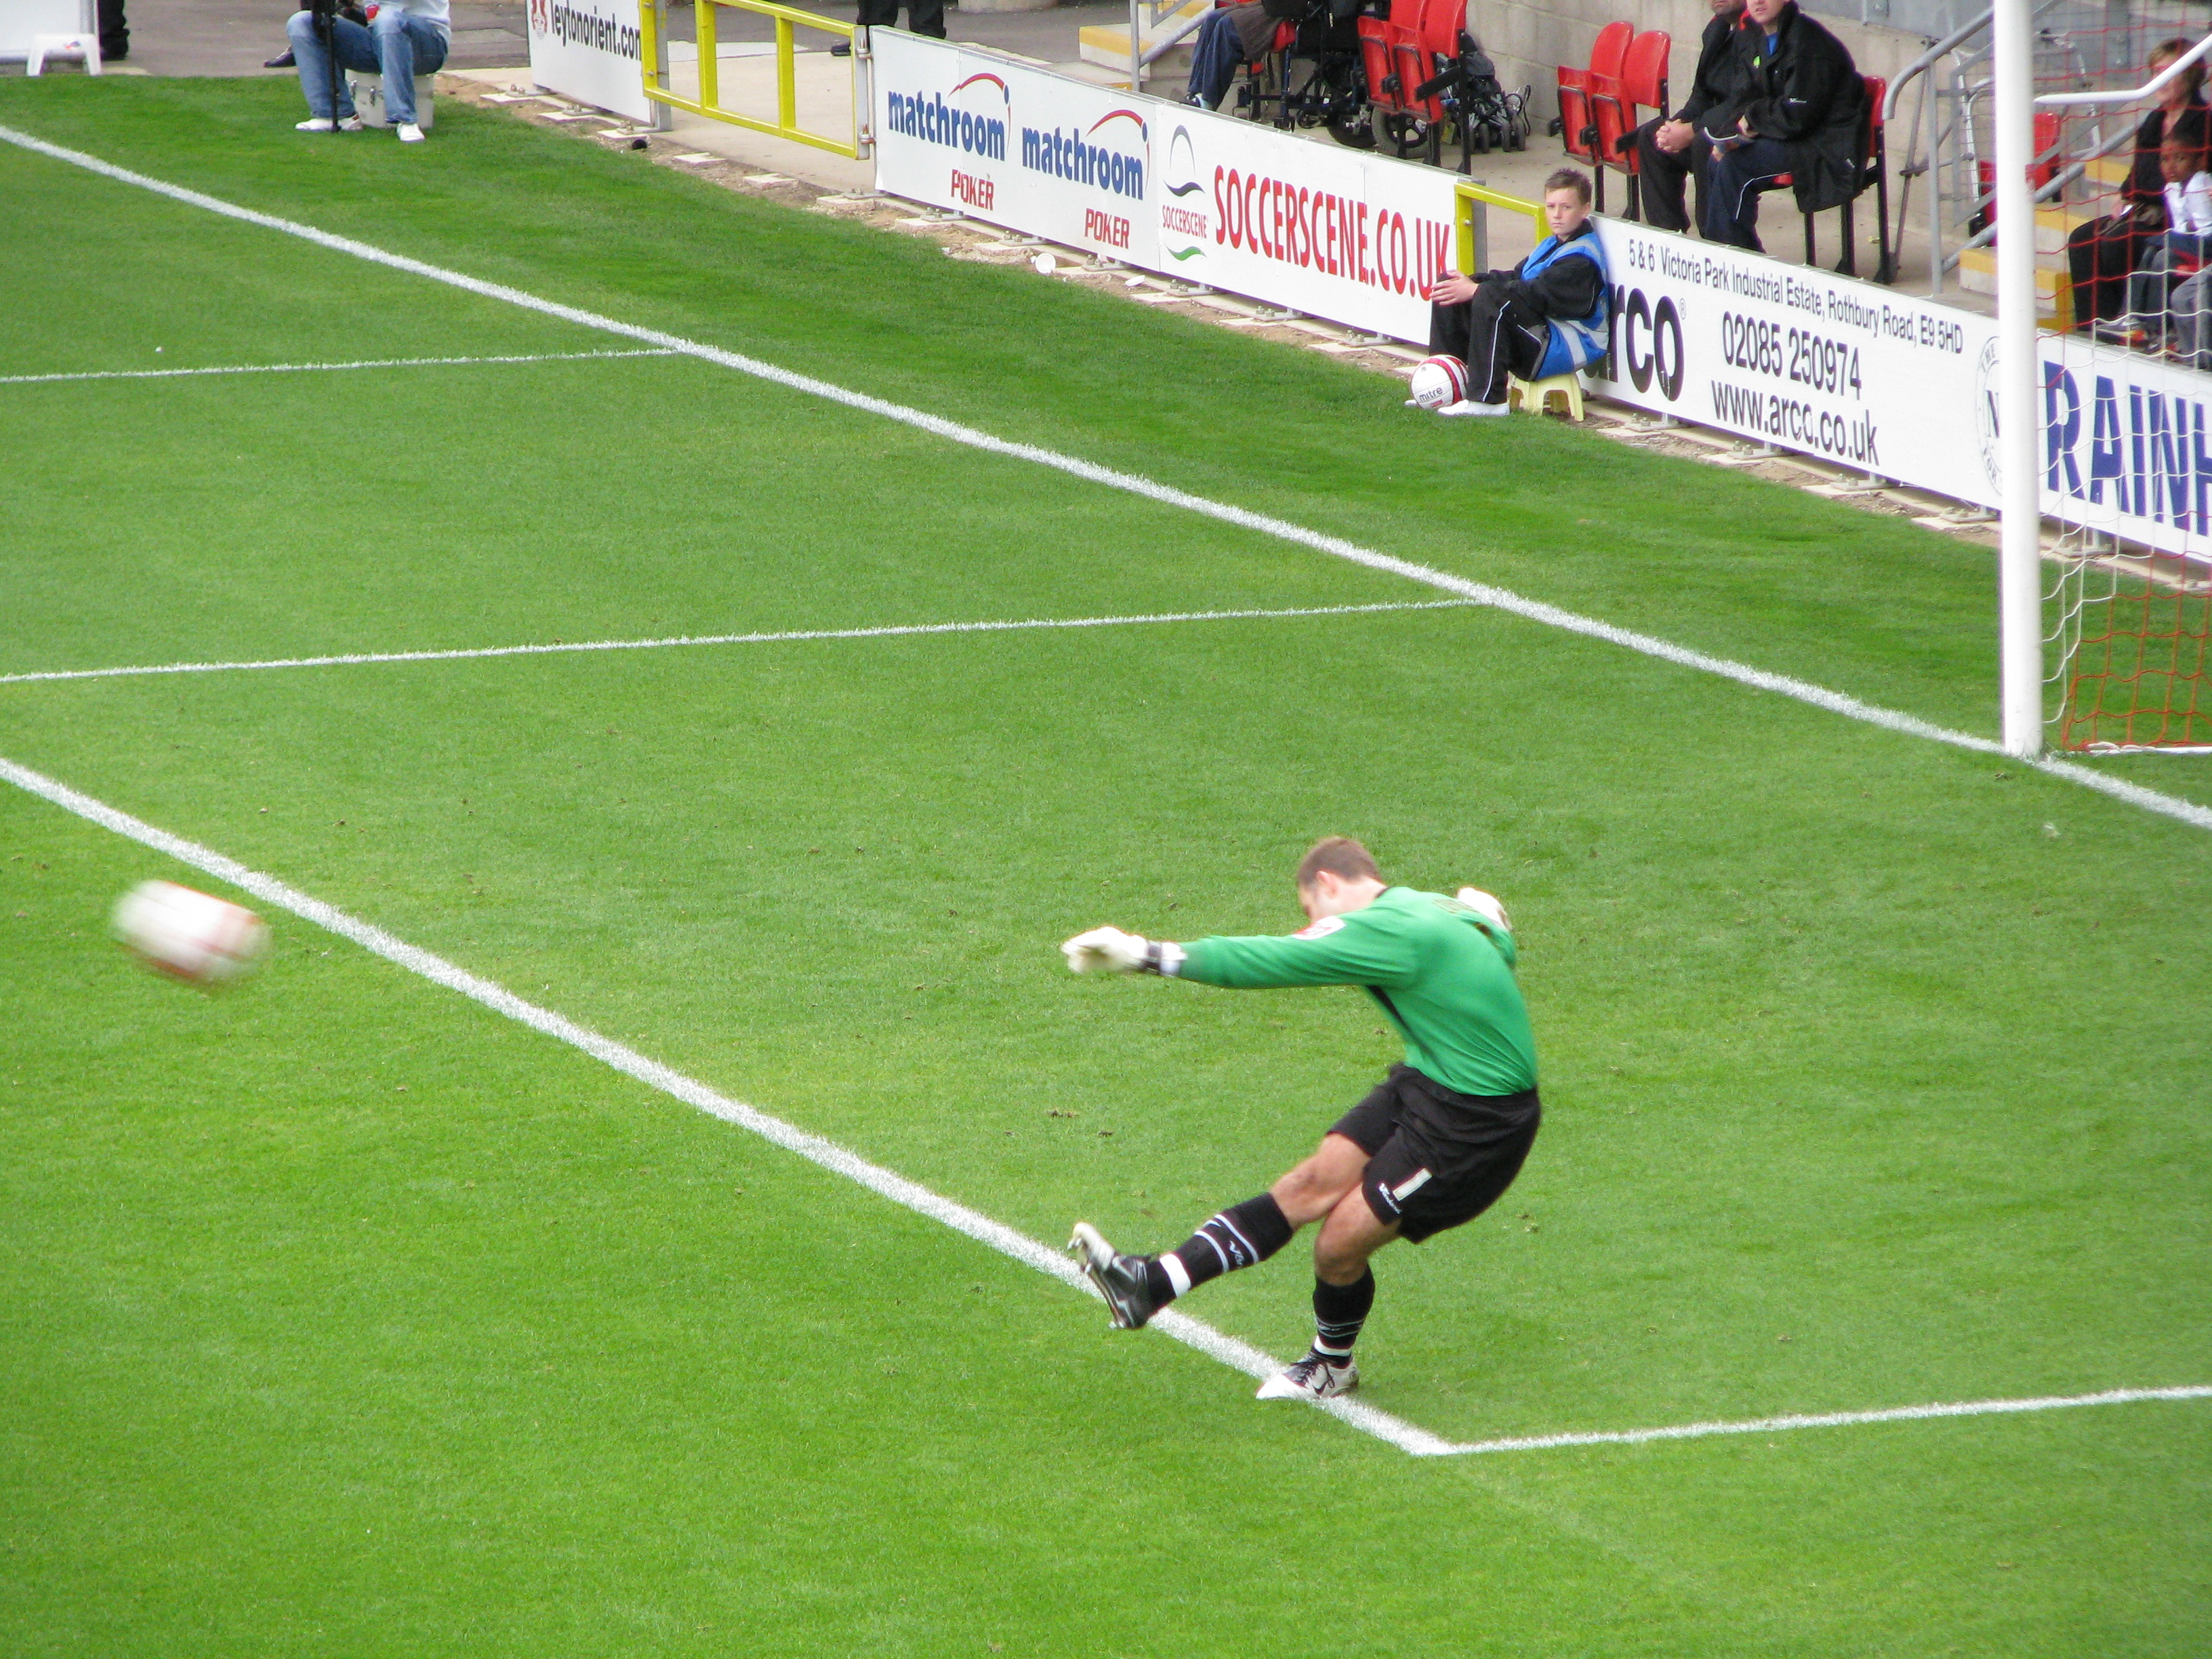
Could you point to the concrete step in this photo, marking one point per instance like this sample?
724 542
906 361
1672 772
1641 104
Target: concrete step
2054 296
1107 44
2053 225
1108 48
2110 169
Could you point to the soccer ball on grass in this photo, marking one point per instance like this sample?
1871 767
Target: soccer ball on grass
1439 382
192 936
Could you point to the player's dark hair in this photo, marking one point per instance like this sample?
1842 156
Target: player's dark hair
1342 857
1568 178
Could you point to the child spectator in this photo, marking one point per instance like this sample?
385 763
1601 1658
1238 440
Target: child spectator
2180 248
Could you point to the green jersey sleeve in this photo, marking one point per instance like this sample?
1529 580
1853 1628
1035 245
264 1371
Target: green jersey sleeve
1442 971
1335 950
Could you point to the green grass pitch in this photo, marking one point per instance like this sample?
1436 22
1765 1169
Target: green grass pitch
343 1317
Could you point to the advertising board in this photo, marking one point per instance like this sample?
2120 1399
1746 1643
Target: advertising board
2123 444
588 50
1332 232
985 134
1804 359
1829 366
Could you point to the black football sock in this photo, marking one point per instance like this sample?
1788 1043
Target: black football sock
1339 1312
1240 1236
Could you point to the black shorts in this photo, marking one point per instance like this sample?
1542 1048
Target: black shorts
1436 1157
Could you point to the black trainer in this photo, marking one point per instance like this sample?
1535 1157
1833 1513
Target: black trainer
1120 1278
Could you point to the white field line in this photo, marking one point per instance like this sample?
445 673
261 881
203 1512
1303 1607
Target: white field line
320 368
1239 1356
1192 1333
893 631
1823 1420
1501 599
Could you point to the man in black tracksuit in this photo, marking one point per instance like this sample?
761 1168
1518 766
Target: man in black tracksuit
1798 102
1668 149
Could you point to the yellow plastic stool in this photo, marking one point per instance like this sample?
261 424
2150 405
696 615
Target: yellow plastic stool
1535 395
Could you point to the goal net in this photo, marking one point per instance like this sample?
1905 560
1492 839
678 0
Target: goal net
2129 626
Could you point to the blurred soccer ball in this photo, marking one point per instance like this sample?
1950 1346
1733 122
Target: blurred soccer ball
1439 382
188 935
1487 903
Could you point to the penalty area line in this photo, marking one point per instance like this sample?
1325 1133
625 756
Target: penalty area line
323 369
892 631
1195 1333
826 1154
1551 616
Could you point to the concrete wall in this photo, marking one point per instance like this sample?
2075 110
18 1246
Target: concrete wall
1529 38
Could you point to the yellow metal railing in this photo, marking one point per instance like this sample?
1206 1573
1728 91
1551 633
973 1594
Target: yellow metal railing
1471 208
653 35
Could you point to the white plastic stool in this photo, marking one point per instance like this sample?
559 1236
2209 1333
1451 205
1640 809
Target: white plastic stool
368 101
1534 395
44 46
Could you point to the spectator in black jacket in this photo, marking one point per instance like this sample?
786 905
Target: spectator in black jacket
1667 148
1798 105
2102 253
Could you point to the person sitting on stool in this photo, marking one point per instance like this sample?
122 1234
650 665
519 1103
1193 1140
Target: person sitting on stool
1667 149
1799 103
1548 315
404 39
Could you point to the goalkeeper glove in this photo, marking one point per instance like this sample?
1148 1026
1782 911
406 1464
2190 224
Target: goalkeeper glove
1108 949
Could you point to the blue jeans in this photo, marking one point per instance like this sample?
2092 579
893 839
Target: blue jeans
396 46
1729 198
1215 59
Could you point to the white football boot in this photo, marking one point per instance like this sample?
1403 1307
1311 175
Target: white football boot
1311 1378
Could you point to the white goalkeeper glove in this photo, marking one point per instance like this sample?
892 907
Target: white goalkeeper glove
1475 898
1110 950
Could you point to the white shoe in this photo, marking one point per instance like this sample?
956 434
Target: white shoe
323 124
409 133
1464 406
1311 1378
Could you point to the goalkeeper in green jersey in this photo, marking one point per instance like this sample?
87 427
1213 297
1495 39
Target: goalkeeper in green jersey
1434 1144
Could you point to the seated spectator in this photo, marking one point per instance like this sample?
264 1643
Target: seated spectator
404 39
2179 249
1796 105
2101 254
1667 149
1234 35
1547 315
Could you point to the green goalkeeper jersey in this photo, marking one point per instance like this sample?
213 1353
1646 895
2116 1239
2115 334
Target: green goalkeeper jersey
1442 970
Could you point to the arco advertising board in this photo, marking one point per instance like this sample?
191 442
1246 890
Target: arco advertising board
1804 359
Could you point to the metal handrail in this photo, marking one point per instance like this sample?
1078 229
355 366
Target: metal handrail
653 22
2149 89
1166 43
2042 192
1470 209
1152 11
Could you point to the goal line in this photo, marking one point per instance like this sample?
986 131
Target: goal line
1217 1346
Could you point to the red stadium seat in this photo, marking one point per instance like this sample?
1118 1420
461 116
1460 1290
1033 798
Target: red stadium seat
1582 93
